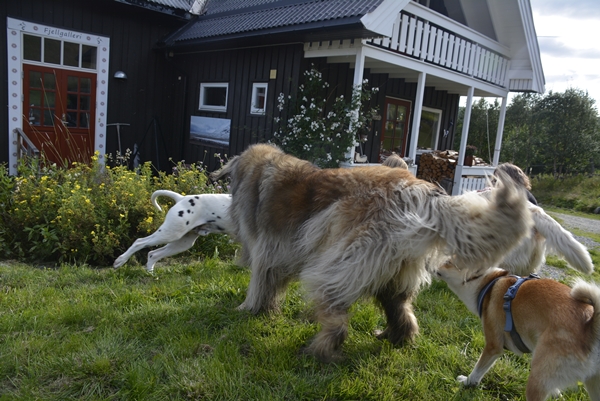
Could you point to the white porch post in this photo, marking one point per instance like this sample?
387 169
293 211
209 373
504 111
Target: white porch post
416 123
456 187
359 66
500 132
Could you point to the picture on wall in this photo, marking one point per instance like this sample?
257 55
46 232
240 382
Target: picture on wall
210 131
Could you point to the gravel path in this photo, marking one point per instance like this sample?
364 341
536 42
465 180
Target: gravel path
569 222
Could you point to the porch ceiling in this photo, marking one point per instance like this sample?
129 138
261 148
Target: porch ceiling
408 69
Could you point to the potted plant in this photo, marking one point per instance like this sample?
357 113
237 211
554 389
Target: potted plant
469 155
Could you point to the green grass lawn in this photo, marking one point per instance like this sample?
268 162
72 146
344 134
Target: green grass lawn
102 334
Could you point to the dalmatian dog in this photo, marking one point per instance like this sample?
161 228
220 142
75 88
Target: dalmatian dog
190 217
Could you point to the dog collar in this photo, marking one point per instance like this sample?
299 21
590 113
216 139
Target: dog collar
509 325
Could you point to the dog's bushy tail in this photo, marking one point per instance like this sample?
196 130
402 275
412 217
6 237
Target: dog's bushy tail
562 241
164 192
588 293
226 170
479 231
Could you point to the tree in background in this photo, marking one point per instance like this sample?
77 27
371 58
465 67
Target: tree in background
557 133
520 142
482 128
569 131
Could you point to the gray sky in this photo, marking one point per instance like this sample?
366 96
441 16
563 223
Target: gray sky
569 37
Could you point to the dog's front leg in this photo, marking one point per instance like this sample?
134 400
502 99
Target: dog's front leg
490 353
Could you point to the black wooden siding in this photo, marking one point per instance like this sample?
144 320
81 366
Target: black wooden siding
240 68
153 88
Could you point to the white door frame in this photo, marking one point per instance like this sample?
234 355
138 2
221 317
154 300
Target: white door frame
15 30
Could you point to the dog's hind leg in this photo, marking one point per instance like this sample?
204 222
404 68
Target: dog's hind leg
401 321
172 248
592 385
334 330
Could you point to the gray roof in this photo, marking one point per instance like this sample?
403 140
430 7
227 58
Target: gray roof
178 4
231 19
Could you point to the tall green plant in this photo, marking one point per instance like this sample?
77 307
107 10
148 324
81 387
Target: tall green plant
318 133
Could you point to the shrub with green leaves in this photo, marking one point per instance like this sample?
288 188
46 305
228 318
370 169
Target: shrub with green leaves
311 132
88 213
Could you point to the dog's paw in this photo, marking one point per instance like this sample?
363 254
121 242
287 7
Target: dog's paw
464 380
120 261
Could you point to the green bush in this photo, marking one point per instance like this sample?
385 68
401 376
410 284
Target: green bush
578 192
88 213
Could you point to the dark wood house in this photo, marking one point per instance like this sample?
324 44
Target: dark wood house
91 65
206 84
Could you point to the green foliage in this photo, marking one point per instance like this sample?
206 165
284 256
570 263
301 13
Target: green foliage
482 129
577 192
311 132
558 133
88 213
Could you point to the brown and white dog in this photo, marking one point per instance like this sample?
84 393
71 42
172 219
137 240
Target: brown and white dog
348 233
559 324
190 217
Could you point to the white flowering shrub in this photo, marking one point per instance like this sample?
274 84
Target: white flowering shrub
323 137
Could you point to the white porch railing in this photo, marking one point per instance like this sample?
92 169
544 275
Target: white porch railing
419 38
471 178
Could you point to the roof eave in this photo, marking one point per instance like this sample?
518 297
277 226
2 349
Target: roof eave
315 31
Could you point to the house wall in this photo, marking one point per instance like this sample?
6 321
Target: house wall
241 67
153 91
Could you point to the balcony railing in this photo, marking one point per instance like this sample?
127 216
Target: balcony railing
420 38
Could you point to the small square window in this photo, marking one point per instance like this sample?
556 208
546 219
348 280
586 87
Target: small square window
213 96
259 98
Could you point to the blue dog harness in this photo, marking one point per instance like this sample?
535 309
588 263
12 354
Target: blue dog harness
510 294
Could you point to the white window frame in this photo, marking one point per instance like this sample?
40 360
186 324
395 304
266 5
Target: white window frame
253 101
210 107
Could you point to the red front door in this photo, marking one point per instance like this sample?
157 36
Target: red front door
395 127
59 113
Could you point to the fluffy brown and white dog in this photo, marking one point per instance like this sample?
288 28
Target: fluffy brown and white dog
559 324
190 217
348 233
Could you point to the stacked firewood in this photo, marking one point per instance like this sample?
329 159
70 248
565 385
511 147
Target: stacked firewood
437 165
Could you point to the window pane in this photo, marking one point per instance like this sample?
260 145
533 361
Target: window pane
391 112
35 98
84 103
72 101
260 98
215 96
71 119
34 116
88 57
72 84
49 81
71 54
428 130
35 79
50 99
32 48
51 51
83 120
48 117
85 85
